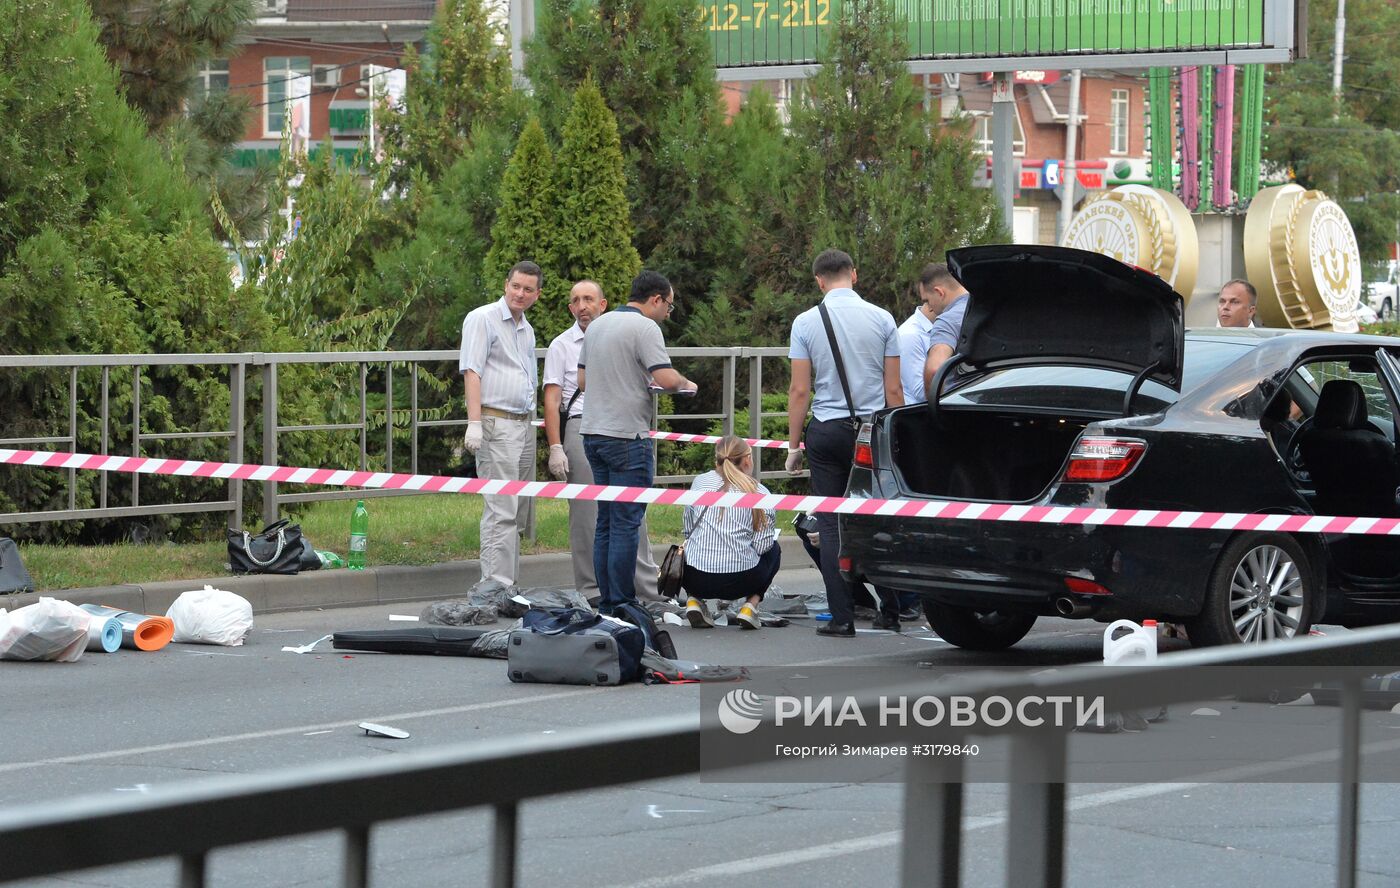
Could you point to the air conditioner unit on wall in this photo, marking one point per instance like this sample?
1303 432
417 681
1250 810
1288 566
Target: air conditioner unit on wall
325 75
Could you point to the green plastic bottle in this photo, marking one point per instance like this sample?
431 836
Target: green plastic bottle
359 536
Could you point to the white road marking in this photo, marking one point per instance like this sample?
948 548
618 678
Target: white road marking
140 787
657 811
314 733
878 841
215 654
281 732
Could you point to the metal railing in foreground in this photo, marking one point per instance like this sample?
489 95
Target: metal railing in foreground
190 820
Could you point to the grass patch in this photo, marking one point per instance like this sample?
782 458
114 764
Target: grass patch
411 530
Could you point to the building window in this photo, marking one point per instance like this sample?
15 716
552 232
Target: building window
212 77
1118 121
280 74
982 133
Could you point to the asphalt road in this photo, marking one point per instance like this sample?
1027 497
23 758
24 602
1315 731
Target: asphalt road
127 722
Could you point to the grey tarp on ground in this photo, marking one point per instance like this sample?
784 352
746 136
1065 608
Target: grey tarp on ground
13 576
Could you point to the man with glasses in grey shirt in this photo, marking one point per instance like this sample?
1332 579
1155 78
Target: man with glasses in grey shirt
623 357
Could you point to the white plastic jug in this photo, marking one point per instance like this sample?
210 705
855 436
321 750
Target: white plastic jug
1137 645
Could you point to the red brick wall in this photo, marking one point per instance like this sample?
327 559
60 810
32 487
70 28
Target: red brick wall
246 77
1095 137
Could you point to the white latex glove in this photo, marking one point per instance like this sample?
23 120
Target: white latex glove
558 462
794 462
472 439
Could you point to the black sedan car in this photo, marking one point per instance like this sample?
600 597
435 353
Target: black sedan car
1076 384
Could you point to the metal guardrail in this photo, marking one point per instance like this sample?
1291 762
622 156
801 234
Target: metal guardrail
190 820
266 369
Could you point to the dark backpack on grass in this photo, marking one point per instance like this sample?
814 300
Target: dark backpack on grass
13 576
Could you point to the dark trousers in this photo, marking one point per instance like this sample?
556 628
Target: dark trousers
625 462
830 453
740 584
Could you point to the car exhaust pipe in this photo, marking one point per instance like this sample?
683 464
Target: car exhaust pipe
1068 607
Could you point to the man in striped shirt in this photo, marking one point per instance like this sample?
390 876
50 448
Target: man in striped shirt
498 369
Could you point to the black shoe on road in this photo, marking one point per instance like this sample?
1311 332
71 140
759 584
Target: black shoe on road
838 630
911 615
884 622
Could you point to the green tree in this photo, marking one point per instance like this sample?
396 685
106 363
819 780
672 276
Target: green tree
156 49
526 218
1351 149
441 257
653 63
462 79
157 45
593 232
104 248
878 176
745 306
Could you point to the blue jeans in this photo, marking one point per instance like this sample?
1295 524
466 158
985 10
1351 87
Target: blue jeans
623 462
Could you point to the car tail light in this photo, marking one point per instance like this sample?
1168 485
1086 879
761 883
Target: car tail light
843 562
1103 459
1085 587
864 456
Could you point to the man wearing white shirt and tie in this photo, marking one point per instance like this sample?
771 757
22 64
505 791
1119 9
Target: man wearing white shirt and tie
498 369
563 414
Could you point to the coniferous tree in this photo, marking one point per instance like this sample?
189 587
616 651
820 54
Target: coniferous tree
526 216
157 48
104 248
593 238
654 65
462 80
878 176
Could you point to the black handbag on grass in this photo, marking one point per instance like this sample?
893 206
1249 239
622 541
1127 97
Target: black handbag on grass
278 548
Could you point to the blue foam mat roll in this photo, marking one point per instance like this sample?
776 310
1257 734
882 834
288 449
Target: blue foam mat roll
104 635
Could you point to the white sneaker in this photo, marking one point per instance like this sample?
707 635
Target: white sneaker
698 614
748 619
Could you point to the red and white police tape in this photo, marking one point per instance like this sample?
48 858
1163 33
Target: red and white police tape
898 508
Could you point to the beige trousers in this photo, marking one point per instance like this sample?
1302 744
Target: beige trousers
507 454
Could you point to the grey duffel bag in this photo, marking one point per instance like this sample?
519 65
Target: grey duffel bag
568 646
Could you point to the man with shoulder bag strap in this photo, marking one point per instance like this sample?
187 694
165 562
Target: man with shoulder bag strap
845 363
563 416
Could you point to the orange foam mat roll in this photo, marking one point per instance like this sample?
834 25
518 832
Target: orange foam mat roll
142 632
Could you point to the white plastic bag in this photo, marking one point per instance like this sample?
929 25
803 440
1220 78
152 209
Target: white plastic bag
211 616
48 630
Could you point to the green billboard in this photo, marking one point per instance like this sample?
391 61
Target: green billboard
775 32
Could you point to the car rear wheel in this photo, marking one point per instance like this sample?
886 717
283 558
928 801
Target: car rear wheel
977 630
1262 589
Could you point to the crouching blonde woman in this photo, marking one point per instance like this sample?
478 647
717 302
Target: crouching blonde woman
730 553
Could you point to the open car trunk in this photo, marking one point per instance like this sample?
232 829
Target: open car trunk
980 454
